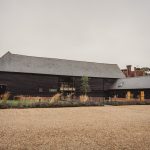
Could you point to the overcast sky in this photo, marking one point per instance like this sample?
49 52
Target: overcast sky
105 31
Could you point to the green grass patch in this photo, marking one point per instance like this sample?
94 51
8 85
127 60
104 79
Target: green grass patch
44 104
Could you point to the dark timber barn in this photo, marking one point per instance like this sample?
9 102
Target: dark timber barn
36 76
136 87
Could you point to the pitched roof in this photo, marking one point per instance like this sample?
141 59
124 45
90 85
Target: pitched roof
132 83
38 65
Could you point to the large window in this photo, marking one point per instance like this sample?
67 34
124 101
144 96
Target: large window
52 90
66 84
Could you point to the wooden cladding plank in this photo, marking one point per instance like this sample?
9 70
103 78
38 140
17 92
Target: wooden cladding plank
28 83
20 83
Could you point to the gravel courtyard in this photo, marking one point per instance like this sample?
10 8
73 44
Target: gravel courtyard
105 128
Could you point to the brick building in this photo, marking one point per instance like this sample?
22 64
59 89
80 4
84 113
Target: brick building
133 73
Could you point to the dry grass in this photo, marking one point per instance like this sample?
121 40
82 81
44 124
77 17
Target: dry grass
5 96
105 128
56 98
84 98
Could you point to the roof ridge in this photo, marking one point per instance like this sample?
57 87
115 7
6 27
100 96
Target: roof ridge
7 53
63 59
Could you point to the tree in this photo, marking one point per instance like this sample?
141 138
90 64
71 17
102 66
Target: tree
146 70
84 85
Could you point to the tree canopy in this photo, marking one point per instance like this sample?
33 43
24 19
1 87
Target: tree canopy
84 85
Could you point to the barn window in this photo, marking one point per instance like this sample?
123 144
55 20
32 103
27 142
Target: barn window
121 84
40 90
53 90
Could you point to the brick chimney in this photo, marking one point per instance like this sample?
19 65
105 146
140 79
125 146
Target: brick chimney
129 70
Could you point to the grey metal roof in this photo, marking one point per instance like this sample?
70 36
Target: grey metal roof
132 83
38 65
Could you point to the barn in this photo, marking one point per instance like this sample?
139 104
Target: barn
37 76
131 88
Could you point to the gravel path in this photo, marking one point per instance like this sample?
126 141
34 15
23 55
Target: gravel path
105 128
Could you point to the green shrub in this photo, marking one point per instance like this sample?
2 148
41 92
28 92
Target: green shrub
64 103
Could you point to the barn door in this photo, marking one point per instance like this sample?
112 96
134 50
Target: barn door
2 88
